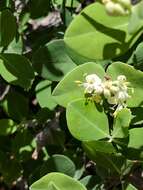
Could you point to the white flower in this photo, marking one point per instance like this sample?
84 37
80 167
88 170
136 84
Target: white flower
93 78
114 91
122 96
93 84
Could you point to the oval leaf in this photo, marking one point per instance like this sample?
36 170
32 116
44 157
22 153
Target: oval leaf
121 124
92 122
43 94
52 62
16 69
58 163
95 35
60 181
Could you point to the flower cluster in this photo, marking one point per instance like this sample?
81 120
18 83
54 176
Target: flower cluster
117 7
116 92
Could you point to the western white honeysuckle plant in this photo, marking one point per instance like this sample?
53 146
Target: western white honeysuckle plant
103 98
99 111
71 108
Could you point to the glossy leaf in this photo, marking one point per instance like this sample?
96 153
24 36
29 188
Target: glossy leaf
60 181
43 94
95 35
16 69
52 62
58 163
135 77
68 90
92 122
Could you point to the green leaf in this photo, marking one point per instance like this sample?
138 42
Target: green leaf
113 163
137 116
8 27
100 146
11 170
135 138
52 62
67 90
94 34
16 46
61 181
136 20
22 144
58 163
135 77
91 182
121 124
52 186
92 122
16 69
16 105
7 127
137 57
131 187
43 95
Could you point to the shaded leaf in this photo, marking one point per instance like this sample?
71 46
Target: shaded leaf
16 105
43 94
52 62
8 27
16 69
7 127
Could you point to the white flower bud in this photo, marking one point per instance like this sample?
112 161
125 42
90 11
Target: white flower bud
114 89
121 78
107 93
125 3
122 96
114 9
